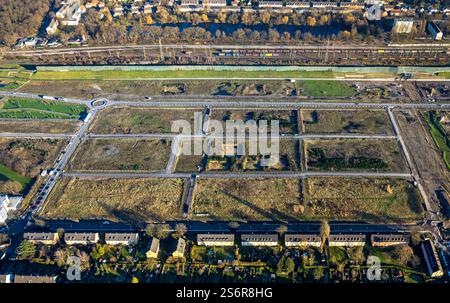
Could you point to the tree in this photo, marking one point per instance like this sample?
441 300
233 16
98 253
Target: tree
84 261
403 254
282 229
26 250
415 237
160 231
134 280
311 21
180 229
60 257
285 265
324 232
318 273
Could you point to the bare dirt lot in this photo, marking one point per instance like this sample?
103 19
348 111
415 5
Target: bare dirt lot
121 154
368 199
34 126
289 158
132 89
126 120
425 155
124 200
287 119
246 199
346 121
355 154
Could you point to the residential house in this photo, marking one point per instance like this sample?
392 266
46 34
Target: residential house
135 9
47 238
302 240
189 2
118 10
347 240
52 27
81 238
259 240
147 9
324 4
298 4
402 26
215 3
435 31
181 247
434 265
384 240
34 279
215 239
270 3
121 238
153 250
4 279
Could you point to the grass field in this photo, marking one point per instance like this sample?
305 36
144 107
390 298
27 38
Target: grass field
42 126
188 163
439 136
325 88
89 89
28 156
7 174
355 154
124 200
367 199
444 75
142 74
351 121
126 120
246 199
15 108
287 119
121 154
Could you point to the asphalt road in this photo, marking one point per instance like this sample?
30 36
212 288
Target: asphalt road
214 102
238 175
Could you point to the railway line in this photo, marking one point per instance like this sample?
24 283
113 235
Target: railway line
252 54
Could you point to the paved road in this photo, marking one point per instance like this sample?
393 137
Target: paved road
186 103
35 135
238 175
196 227
282 136
55 98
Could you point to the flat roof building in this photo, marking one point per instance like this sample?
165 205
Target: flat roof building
434 265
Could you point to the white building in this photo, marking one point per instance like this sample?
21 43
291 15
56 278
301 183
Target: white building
8 203
435 31
259 240
52 27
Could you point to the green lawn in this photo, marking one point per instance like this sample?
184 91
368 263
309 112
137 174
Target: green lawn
142 74
439 136
19 108
445 75
9 174
325 88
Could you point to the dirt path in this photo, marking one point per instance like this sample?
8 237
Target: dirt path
426 157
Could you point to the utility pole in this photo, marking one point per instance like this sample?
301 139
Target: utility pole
161 53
